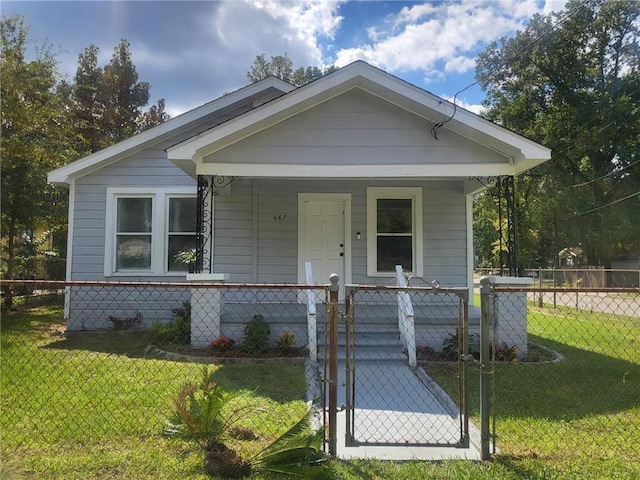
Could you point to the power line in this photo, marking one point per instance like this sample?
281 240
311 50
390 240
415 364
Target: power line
438 126
608 204
604 176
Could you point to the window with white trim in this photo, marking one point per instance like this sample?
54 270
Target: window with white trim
134 217
146 229
181 231
394 230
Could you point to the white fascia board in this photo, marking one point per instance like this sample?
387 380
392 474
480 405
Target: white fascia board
274 170
63 175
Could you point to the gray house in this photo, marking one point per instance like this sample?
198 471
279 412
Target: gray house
355 173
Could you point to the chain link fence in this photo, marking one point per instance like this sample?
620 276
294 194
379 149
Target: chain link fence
389 399
95 365
568 277
571 387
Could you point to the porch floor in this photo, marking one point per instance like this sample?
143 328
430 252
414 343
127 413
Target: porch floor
398 418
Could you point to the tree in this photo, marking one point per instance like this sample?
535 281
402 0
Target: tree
570 80
281 66
108 101
122 96
89 110
34 128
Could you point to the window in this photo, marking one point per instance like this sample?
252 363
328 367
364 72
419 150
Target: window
181 234
133 233
394 230
146 229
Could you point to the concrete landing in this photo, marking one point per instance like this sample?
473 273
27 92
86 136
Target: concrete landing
401 415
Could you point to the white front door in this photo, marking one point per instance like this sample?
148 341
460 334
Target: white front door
322 237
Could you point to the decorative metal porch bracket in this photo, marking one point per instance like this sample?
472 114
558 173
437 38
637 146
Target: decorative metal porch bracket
209 186
503 188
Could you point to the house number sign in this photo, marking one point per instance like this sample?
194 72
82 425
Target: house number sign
279 218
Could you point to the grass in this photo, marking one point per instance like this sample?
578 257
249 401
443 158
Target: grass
90 405
576 417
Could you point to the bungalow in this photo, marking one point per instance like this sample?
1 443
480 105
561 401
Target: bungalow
355 173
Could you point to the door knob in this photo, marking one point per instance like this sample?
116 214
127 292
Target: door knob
342 254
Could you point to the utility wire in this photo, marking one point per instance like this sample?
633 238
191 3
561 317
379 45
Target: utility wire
604 176
608 204
438 126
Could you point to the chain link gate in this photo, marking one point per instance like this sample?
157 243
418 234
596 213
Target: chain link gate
377 393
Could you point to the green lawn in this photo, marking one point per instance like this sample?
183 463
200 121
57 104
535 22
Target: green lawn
575 417
91 406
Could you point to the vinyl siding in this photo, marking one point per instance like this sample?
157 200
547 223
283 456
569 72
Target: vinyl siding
444 222
351 129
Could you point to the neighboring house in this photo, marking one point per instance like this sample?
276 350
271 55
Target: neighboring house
570 257
355 172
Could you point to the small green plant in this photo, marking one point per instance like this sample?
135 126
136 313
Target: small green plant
287 342
188 258
256 335
451 346
504 353
125 323
201 413
297 452
178 330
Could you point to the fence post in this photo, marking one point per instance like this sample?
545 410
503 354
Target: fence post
554 286
486 364
333 364
540 283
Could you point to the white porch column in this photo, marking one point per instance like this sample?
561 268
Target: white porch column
511 313
206 308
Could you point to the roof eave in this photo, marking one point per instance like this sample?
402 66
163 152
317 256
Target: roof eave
64 175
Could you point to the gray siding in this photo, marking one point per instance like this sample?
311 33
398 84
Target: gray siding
355 128
276 244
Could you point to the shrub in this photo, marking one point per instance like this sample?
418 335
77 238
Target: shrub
176 331
504 353
125 323
256 335
287 342
204 413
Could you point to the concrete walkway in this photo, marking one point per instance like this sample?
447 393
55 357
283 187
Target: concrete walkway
400 415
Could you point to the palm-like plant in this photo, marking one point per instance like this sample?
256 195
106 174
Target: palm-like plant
203 413
297 452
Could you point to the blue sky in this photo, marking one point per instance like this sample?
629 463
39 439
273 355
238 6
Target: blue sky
193 52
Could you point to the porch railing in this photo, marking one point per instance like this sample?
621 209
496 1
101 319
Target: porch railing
406 318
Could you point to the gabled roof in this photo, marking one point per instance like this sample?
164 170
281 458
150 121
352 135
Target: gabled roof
522 153
64 175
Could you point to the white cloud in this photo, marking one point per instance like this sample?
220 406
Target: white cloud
459 65
439 37
478 109
302 24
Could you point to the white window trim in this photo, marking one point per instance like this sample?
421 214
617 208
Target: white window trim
415 195
167 199
159 221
